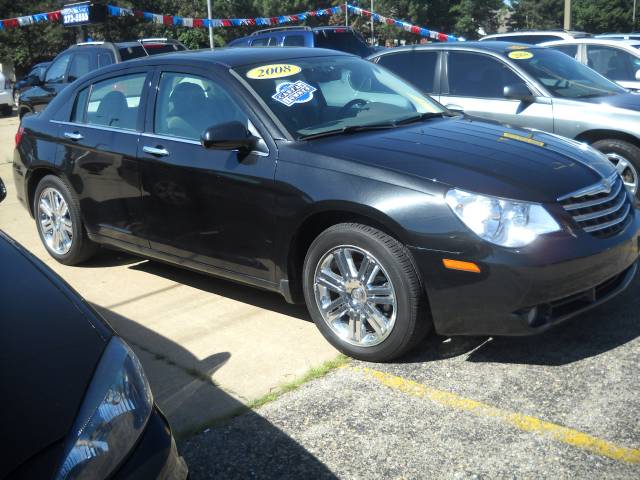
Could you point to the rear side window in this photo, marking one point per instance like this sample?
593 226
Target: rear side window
571 50
293 41
80 65
129 53
416 67
479 76
115 102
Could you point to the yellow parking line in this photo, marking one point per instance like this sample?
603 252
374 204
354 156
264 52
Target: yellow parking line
523 422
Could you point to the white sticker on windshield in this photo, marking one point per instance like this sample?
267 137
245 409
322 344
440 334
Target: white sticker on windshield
290 93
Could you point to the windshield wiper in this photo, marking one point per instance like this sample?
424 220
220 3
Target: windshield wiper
348 129
421 116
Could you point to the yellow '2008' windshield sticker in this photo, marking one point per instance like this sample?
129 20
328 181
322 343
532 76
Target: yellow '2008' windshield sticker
278 70
520 55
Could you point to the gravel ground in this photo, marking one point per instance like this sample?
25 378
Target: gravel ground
581 375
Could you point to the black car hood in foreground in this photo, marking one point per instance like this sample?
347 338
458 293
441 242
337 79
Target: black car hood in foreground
474 155
49 346
630 101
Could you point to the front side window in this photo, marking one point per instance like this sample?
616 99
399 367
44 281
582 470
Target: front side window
58 69
613 63
115 102
478 76
80 65
312 96
187 105
416 67
264 42
563 76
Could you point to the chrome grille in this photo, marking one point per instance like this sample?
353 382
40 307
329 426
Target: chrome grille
602 209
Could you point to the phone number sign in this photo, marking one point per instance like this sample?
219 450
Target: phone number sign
75 15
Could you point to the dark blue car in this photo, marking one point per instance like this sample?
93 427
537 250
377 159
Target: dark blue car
344 39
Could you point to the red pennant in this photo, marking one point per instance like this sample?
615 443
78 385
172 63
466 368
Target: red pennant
225 23
294 18
10 23
167 19
138 13
443 37
198 22
415 29
251 21
54 16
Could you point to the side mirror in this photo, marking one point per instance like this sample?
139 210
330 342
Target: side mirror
638 75
229 136
518 91
3 191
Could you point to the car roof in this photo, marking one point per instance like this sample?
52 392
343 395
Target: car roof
599 41
565 33
487 45
235 57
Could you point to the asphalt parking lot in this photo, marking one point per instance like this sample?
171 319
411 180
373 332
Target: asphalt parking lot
561 405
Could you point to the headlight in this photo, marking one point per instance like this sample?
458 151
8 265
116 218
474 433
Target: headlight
112 416
506 223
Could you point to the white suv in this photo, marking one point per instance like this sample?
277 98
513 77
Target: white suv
618 60
6 96
535 37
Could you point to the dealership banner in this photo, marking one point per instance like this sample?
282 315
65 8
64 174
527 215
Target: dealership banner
178 21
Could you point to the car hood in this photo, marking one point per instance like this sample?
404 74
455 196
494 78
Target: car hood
475 155
630 101
49 348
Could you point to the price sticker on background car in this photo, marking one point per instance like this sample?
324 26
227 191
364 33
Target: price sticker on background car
520 55
279 70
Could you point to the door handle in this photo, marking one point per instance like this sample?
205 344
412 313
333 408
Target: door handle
75 136
158 151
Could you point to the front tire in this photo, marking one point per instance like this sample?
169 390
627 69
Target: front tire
363 293
59 224
625 157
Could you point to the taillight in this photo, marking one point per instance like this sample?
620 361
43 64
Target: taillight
19 134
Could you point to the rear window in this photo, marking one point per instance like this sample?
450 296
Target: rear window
156 48
293 41
343 40
129 53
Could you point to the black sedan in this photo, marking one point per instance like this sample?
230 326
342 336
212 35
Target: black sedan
75 400
328 179
34 77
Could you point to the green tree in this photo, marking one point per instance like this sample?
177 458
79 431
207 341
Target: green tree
473 15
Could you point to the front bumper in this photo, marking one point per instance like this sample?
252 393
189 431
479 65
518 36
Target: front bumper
526 292
155 455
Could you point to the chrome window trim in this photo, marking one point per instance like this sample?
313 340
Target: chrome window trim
195 142
96 127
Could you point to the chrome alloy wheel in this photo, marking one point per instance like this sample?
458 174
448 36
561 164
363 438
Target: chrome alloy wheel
626 170
55 221
355 296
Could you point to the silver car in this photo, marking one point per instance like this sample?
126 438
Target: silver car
531 87
618 60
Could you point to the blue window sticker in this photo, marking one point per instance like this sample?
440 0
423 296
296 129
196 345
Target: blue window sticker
290 93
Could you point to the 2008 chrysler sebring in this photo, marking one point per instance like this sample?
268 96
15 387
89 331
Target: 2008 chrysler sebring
326 178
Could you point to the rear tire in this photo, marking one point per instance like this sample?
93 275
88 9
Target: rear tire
6 110
625 156
376 311
57 214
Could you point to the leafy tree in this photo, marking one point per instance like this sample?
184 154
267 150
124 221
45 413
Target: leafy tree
473 15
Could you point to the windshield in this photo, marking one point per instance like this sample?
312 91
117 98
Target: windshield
315 95
562 75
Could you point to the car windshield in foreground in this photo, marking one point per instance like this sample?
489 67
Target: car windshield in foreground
334 95
562 75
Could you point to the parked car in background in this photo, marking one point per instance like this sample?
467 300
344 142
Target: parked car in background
321 176
344 39
528 86
6 96
620 36
76 402
534 37
83 58
618 60
34 77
